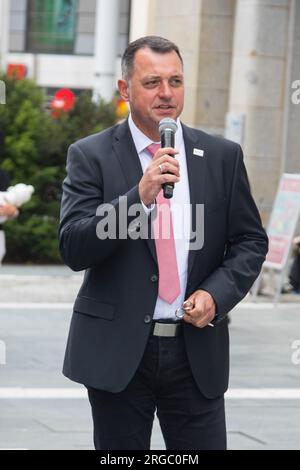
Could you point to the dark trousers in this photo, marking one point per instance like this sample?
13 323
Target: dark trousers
163 382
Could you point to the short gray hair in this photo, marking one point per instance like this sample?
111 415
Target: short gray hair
155 43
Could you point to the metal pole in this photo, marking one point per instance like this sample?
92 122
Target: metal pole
106 40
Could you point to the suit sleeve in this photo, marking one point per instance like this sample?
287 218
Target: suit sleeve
246 248
82 200
4 180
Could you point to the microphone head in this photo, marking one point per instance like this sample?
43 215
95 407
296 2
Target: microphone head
167 124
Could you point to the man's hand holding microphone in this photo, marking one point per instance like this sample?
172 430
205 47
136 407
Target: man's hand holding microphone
164 169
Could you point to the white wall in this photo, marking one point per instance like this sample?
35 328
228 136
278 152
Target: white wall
60 70
57 70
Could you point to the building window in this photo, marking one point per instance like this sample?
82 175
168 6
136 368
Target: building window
51 26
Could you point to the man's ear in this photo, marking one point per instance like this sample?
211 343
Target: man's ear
123 89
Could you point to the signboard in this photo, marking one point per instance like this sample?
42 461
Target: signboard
283 222
52 25
18 71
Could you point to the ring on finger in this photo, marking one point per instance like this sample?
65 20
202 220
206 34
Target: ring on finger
161 168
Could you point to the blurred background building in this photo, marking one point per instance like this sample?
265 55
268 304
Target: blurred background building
66 43
241 59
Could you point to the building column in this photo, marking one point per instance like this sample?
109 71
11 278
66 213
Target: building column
214 64
139 19
106 41
257 90
4 22
203 31
291 127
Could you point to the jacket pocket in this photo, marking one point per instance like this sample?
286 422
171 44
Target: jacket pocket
94 308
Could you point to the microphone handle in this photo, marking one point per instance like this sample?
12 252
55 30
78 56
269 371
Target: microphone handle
168 140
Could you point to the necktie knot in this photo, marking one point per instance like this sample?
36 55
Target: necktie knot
152 148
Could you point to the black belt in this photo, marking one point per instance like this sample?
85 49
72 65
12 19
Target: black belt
167 329
1 227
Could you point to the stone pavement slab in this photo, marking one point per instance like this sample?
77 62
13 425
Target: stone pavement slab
261 357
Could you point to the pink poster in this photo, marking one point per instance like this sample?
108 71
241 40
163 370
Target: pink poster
283 221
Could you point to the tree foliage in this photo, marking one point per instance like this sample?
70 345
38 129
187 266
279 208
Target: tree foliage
33 148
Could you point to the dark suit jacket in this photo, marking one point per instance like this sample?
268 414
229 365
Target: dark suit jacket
4 184
112 314
4 180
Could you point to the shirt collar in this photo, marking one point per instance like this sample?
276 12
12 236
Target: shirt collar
141 141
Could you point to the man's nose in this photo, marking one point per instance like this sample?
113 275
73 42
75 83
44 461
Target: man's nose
165 90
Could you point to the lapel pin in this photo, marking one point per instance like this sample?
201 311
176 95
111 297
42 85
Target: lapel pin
198 152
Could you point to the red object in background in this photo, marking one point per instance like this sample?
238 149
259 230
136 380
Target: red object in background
122 109
18 71
63 100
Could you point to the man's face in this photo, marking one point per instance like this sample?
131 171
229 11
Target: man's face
155 89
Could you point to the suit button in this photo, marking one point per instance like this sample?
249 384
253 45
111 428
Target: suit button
147 319
154 278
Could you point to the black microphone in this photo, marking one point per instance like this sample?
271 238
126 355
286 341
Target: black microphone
167 129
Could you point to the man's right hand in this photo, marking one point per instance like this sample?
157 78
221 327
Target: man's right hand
8 210
163 169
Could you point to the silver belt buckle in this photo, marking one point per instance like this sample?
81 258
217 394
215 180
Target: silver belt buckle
166 329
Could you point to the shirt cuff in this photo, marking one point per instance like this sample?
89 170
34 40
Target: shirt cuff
148 208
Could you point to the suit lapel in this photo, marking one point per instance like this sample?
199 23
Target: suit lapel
196 174
128 158
127 155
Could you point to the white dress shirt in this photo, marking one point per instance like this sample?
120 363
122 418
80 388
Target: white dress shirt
180 207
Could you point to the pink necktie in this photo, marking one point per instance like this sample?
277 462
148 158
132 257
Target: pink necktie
168 283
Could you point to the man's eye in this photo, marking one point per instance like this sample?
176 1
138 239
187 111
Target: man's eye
151 83
176 82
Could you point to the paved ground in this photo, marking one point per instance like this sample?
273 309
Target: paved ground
35 309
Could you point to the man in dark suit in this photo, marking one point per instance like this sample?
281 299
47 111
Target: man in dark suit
126 343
